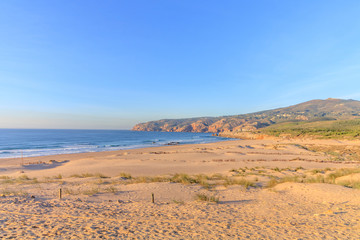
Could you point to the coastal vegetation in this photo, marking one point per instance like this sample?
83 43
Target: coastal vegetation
248 178
206 198
328 129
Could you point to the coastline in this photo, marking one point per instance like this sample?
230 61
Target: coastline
17 143
185 158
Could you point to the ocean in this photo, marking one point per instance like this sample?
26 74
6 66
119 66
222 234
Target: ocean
15 143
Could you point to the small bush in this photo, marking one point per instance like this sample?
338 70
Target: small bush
100 175
299 168
243 182
125 175
315 171
111 189
23 177
182 178
59 176
203 197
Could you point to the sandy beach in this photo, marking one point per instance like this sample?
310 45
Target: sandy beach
255 189
179 120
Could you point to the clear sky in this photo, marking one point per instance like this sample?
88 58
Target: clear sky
112 64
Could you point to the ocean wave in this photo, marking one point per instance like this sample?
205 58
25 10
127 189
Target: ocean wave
73 142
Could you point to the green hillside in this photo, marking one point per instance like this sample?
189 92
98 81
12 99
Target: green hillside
321 129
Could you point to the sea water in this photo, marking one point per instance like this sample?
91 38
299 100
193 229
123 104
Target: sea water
41 142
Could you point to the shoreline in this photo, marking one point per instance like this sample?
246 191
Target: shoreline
218 157
170 143
230 139
110 151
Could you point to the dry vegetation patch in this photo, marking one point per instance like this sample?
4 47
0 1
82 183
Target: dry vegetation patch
320 176
349 153
270 177
262 177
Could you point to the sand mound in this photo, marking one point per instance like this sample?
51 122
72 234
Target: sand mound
321 192
348 179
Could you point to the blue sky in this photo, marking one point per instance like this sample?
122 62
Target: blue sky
112 64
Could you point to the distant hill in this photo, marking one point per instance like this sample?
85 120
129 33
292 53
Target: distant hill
316 110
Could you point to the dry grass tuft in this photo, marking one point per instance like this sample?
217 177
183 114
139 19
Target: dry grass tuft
206 198
125 175
319 176
243 182
19 193
83 175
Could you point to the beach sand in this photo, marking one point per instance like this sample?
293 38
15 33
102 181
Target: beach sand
256 189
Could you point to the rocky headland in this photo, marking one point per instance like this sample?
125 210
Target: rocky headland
248 124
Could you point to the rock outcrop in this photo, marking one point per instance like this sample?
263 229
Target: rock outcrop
335 109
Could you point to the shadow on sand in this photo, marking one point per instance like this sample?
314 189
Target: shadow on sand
52 164
236 202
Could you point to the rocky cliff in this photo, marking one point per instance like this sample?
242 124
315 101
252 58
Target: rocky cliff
329 109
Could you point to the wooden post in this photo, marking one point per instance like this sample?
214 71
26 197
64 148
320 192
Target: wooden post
22 159
60 193
152 198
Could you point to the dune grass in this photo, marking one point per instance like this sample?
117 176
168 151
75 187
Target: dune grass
206 181
19 192
206 198
243 182
318 176
270 177
89 175
59 176
90 191
20 179
125 175
82 175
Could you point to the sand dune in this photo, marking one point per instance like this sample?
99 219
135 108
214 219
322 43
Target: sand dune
258 189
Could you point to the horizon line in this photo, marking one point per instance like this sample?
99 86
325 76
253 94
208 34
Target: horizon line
65 129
